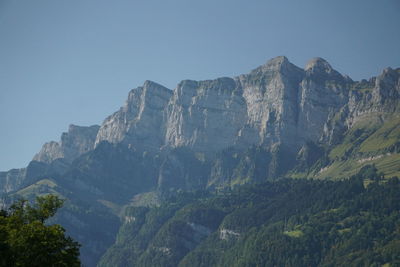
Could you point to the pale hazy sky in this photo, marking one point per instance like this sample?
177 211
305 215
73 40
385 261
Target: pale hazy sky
74 61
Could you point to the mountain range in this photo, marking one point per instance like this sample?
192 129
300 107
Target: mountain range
279 121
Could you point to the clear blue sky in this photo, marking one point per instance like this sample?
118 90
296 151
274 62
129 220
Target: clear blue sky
74 61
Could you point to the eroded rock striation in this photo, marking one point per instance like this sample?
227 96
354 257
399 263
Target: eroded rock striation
141 121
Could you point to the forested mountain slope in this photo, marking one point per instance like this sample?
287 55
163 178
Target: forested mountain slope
284 223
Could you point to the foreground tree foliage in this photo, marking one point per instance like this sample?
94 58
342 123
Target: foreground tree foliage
25 239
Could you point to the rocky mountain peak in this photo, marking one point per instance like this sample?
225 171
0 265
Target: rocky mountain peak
387 88
75 142
389 76
155 87
137 95
140 121
318 64
319 70
278 64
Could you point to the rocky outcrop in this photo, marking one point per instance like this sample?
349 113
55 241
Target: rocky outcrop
49 152
141 121
75 142
387 90
274 104
11 180
271 94
324 92
205 116
377 96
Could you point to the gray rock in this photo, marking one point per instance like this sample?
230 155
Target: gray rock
271 94
141 121
75 142
11 180
324 92
205 116
276 103
378 97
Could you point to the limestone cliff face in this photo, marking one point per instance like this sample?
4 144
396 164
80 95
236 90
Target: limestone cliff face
11 180
271 94
205 116
387 89
75 142
141 121
378 96
324 92
49 152
276 104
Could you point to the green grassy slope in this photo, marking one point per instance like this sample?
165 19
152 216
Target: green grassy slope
367 142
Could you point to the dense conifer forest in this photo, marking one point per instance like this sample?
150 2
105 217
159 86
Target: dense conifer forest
289 222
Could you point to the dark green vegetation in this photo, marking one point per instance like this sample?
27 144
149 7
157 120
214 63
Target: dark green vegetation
25 239
354 222
368 141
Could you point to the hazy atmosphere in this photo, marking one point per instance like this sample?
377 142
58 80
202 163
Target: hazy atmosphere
74 62
199 133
